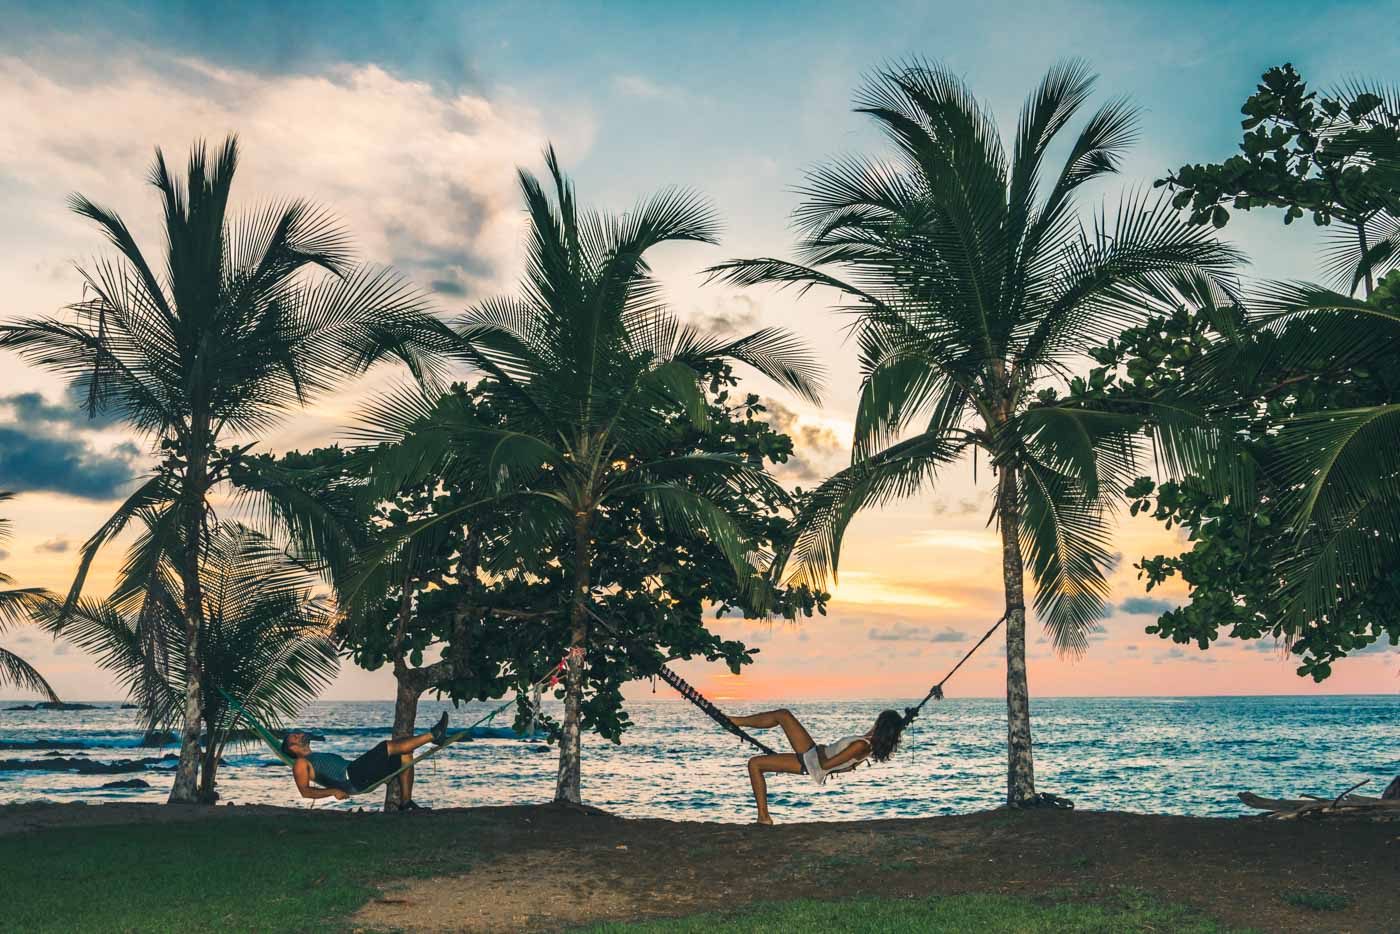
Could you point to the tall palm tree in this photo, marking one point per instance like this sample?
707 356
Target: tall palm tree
17 605
234 331
586 369
972 293
266 640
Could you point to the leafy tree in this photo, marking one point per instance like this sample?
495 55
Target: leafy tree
265 639
434 597
586 369
1336 157
1251 558
972 288
16 605
236 330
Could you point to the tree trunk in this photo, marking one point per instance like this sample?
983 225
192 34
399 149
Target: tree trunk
1020 767
186 787
410 689
209 768
567 789
1361 239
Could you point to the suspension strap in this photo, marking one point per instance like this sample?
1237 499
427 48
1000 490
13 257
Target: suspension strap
936 692
688 691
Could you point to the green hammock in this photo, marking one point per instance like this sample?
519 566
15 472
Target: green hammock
275 743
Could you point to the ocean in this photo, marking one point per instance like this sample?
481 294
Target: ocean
1173 755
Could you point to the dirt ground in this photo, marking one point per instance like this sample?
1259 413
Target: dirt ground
543 868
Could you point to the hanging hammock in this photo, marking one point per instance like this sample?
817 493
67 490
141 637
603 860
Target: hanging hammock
275 743
688 691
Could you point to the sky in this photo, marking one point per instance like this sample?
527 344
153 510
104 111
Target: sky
409 120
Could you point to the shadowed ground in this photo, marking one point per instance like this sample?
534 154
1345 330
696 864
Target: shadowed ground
521 868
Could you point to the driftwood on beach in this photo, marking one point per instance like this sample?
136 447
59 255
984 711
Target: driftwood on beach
1311 806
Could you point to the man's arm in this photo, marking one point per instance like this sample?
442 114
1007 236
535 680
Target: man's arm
301 771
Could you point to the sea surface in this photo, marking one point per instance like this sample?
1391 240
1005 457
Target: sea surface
1175 755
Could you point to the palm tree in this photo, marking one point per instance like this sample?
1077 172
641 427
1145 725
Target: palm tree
972 294
586 370
266 640
235 331
15 606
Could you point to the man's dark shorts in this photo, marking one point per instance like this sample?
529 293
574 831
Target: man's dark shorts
374 766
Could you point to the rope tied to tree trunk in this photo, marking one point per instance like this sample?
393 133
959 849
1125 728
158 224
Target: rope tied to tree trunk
936 692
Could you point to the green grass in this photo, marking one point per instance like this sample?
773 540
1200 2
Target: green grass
301 872
953 914
1317 901
308 871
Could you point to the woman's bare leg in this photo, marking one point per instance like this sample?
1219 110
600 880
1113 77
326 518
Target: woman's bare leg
782 762
797 736
406 779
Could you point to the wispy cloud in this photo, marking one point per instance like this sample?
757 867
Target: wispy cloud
642 87
962 539
1146 606
903 632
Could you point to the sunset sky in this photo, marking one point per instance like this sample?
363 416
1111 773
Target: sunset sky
408 121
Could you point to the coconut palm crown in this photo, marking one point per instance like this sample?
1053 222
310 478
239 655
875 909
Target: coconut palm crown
586 369
247 318
973 285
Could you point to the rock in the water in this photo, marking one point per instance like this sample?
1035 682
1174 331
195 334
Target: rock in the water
82 766
129 783
51 705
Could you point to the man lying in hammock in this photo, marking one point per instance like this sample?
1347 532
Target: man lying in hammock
342 778
878 743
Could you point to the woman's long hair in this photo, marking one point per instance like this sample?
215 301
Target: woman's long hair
884 739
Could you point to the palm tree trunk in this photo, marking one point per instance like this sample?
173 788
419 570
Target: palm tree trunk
185 790
209 768
567 788
1020 767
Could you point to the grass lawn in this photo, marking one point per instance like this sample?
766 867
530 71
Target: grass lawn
308 871
302 872
954 914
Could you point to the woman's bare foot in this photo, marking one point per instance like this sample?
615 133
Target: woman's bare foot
765 821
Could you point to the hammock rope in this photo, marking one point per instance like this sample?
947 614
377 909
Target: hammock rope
275 743
936 692
688 691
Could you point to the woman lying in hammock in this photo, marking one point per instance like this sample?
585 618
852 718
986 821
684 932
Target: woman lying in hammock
878 743
342 778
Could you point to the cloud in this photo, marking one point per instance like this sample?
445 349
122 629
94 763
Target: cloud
34 460
641 87
422 178
966 506
903 632
31 408
732 314
960 539
1130 648
1146 606
1176 653
817 450
56 546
